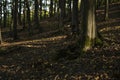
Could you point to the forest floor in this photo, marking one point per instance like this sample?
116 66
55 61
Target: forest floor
33 57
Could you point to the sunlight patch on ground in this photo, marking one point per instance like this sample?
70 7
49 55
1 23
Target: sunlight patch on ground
110 28
34 46
33 41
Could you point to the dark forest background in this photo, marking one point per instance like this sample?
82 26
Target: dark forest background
60 39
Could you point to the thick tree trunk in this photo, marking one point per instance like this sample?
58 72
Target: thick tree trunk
88 25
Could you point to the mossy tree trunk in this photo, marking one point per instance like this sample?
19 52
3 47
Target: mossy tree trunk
88 27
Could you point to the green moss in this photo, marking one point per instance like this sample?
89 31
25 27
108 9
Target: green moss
87 41
98 42
3 51
88 44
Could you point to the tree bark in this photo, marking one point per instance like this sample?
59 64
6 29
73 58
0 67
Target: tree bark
0 22
36 14
24 15
19 13
75 23
61 12
5 13
106 9
40 9
63 8
88 25
15 36
28 18
51 8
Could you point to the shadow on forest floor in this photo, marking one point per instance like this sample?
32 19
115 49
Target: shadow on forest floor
33 59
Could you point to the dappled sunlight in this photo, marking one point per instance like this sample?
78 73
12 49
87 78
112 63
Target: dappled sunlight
110 28
111 34
41 41
110 21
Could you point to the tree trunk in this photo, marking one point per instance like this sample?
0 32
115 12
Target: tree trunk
55 7
88 25
51 8
69 9
28 18
24 15
45 10
40 9
36 14
5 13
63 8
0 22
75 23
106 9
61 12
19 13
15 36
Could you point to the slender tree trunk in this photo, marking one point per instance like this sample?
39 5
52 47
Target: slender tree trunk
28 18
51 8
45 11
12 15
0 36
36 14
106 9
5 13
24 15
69 9
19 13
62 12
15 36
0 22
58 9
75 23
40 9
55 7
63 8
